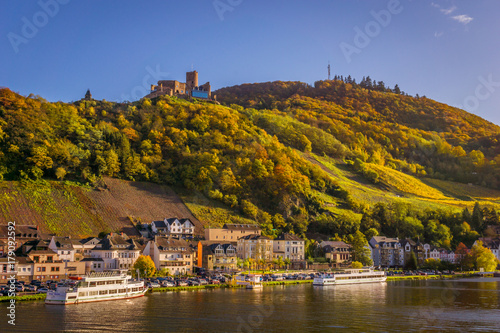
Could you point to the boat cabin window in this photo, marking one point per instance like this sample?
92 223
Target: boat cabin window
93 284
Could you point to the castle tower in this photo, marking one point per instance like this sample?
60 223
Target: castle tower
88 95
191 80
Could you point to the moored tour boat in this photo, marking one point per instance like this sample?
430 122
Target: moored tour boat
252 281
97 286
350 276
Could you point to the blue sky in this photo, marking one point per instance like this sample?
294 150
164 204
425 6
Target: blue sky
446 50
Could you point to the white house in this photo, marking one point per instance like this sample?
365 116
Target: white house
173 226
84 246
64 247
170 253
117 251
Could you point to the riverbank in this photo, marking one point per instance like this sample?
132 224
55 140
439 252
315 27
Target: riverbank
430 277
41 297
33 297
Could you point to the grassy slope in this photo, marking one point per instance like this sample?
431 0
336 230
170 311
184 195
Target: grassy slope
67 209
397 186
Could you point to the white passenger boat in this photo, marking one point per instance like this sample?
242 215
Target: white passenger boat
253 281
97 286
350 276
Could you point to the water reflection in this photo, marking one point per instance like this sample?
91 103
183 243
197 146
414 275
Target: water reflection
407 306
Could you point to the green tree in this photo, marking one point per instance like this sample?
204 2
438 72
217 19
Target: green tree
360 250
477 218
412 263
145 265
432 263
279 262
287 262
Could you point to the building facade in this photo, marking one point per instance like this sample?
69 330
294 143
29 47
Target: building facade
231 232
289 246
118 251
170 253
256 247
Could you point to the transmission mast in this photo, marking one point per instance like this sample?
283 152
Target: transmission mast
328 71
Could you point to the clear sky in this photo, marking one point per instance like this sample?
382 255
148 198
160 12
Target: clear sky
444 49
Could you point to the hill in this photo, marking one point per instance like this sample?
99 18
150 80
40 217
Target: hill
334 158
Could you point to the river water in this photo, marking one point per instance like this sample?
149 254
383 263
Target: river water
466 305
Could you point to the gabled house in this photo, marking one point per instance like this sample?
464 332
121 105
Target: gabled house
118 251
170 253
221 256
256 247
85 246
289 246
338 253
23 233
183 228
386 252
159 228
63 246
48 266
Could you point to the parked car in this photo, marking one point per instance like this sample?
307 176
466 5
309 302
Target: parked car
203 282
167 283
30 288
19 287
193 283
42 290
154 285
182 283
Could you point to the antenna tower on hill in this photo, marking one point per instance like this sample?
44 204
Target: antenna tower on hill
328 71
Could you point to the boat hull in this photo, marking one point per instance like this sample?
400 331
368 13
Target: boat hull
332 281
89 300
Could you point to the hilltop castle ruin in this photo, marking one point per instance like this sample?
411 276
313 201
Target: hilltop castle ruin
176 88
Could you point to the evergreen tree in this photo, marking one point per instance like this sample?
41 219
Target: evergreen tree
396 89
466 216
477 218
412 263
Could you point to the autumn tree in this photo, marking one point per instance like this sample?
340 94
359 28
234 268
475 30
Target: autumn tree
483 258
145 265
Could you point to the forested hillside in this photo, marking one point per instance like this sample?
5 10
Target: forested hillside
374 124
331 159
